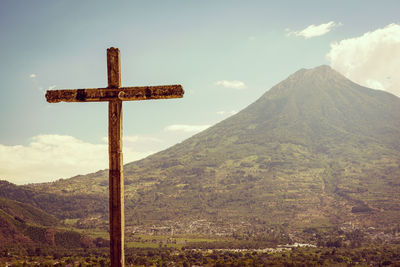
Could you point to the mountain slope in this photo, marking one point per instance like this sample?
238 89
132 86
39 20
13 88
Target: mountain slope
316 149
23 226
26 213
63 204
18 221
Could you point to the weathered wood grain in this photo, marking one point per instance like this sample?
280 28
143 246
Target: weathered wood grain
116 183
113 67
122 93
116 174
115 94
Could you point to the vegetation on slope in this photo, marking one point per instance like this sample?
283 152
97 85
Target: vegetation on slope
315 150
25 227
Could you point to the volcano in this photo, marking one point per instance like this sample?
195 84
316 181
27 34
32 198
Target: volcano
316 149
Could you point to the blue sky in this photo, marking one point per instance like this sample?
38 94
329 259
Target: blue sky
226 54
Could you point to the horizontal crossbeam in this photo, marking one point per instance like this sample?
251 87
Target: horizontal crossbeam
109 94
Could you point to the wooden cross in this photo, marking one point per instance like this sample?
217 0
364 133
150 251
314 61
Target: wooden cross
115 94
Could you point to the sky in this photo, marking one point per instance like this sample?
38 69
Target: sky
224 53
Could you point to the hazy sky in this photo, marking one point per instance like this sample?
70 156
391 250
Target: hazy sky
226 54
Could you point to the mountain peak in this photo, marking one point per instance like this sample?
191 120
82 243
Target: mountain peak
315 69
324 72
306 80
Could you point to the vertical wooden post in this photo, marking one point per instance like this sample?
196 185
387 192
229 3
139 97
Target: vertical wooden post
115 98
116 178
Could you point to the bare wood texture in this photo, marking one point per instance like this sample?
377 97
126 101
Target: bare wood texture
113 68
115 94
116 174
122 93
116 183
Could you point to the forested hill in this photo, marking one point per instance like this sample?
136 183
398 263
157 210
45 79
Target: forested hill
24 227
316 149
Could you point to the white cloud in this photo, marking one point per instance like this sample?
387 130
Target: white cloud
372 60
49 157
228 113
33 75
314 30
235 84
186 128
142 144
374 84
138 138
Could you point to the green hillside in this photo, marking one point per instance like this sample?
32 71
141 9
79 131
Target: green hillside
62 203
25 213
315 150
24 227
18 222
